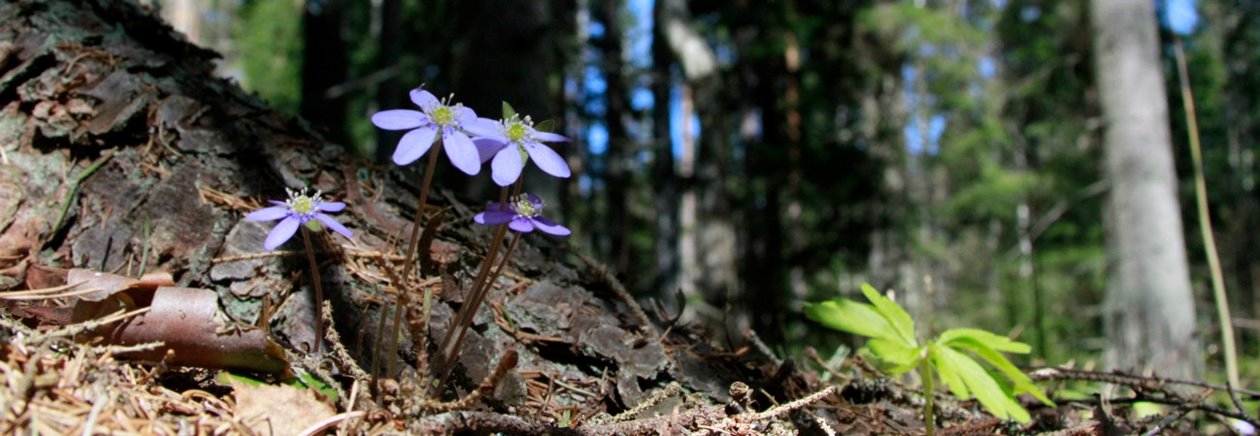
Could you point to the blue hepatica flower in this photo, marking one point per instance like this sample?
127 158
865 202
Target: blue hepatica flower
523 214
300 209
453 122
518 143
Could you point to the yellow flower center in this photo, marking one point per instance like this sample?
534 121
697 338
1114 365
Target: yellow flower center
525 207
443 115
516 132
303 204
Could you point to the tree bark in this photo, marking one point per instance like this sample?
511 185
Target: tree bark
108 112
1150 317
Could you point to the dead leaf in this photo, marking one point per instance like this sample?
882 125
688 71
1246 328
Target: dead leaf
278 410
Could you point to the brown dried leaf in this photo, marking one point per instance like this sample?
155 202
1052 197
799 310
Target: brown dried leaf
279 410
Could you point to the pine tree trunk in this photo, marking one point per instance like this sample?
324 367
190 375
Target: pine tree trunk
167 159
1150 317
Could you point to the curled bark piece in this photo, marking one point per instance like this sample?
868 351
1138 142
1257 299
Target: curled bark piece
110 284
187 320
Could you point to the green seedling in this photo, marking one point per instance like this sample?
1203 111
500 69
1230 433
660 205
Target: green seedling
951 356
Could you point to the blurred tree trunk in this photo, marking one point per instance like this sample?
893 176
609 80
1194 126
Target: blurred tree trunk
708 238
769 174
620 145
390 93
506 52
664 176
1149 306
324 66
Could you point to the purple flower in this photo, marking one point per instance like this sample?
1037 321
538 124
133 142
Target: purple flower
517 143
298 210
523 214
454 123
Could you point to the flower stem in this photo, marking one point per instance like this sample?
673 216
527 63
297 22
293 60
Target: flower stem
424 198
319 289
502 263
929 421
391 347
450 345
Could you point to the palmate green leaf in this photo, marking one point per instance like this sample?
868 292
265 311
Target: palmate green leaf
894 356
893 313
947 373
996 342
850 316
508 112
982 385
1019 381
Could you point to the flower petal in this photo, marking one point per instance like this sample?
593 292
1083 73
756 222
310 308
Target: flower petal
464 114
278 203
281 232
507 166
461 151
334 225
522 225
398 119
534 200
268 213
414 144
550 227
550 137
493 217
486 148
548 160
485 128
424 99
331 206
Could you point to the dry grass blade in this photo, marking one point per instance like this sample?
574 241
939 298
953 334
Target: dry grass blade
330 422
47 296
37 292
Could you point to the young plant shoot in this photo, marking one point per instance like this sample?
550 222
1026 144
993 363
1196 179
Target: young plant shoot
894 345
306 212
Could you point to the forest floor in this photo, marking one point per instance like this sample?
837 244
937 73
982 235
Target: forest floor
54 384
119 150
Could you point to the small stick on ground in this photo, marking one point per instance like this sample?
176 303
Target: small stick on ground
786 408
670 390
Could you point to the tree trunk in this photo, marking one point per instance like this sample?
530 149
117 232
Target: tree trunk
390 93
620 144
664 173
1150 317
106 111
323 67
